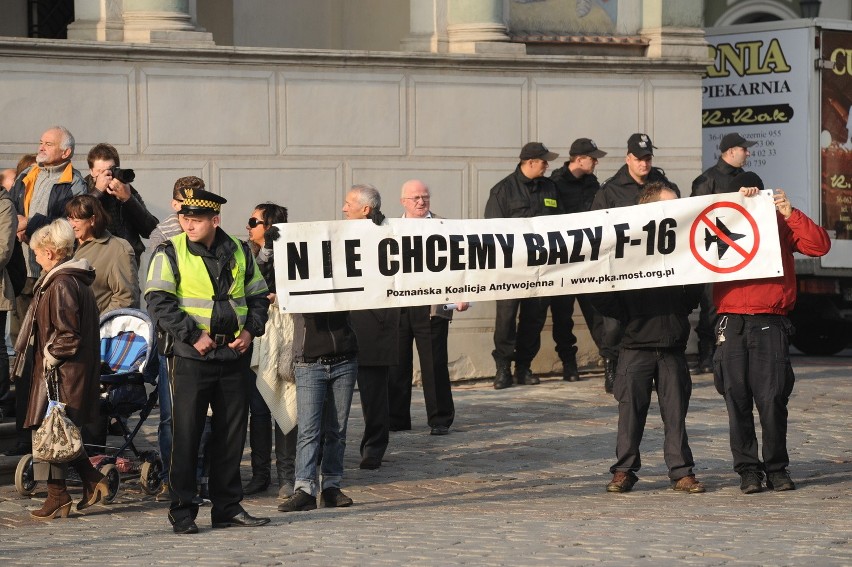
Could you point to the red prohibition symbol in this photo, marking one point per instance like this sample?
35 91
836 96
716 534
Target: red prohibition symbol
724 238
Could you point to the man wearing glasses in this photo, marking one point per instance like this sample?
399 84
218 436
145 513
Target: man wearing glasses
428 326
577 185
517 328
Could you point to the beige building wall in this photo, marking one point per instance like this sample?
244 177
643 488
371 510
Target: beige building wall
372 25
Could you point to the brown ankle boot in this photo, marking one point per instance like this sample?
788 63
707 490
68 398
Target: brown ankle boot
58 502
95 485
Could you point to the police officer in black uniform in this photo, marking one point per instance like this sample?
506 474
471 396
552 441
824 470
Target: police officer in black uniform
577 185
209 300
715 180
517 328
622 190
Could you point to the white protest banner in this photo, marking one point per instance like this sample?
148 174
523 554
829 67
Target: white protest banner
340 265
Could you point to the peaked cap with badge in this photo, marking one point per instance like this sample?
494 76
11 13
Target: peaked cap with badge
201 202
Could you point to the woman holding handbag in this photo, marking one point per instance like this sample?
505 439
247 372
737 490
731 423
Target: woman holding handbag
60 338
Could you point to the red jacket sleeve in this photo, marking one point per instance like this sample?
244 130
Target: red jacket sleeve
805 236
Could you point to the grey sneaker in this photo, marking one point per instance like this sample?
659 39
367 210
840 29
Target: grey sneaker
779 481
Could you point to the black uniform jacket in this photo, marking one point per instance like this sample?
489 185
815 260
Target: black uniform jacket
517 196
621 189
575 194
715 179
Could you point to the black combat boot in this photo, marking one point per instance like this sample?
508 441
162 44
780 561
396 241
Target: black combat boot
503 378
525 377
569 370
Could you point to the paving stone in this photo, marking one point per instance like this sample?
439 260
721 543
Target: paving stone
520 480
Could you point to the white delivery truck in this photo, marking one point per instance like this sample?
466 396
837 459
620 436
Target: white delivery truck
788 87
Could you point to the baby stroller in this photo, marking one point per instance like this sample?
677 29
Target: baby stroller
127 350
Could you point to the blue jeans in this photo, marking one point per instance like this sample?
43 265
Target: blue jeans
323 395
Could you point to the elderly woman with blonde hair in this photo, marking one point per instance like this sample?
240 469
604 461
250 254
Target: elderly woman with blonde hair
60 331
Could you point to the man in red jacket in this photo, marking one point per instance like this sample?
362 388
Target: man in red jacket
752 361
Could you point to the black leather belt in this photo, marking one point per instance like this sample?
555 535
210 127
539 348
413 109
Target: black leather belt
328 360
220 340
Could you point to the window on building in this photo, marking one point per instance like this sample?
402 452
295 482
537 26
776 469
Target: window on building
49 18
757 17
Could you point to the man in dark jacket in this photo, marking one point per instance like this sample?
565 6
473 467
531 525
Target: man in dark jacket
378 344
40 194
577 186
622 190
517 327
428 326
129 217
325 349
209 300
715 180
656 327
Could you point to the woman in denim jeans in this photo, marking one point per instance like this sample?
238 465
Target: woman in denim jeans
325 351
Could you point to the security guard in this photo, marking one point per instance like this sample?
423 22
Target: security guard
517 326
209 300
622 190
734 151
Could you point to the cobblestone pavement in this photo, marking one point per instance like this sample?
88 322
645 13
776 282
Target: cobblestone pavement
519 481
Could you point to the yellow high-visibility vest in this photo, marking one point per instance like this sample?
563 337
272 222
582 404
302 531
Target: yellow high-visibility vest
195 291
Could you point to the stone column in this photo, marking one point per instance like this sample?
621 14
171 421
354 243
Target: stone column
137 21
162 21
478 26
427 26
674 28
98 20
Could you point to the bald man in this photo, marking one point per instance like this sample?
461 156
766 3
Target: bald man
428 327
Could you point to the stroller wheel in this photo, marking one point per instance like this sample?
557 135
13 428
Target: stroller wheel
111 472
24 482
149 476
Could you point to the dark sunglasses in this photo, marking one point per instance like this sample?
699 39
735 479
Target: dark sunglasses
253 222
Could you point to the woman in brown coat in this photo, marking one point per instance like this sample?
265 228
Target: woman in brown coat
62 328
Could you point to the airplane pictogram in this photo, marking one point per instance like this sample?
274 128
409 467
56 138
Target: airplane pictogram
722 246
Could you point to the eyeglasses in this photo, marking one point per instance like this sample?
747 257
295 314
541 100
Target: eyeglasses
253 222
425 198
